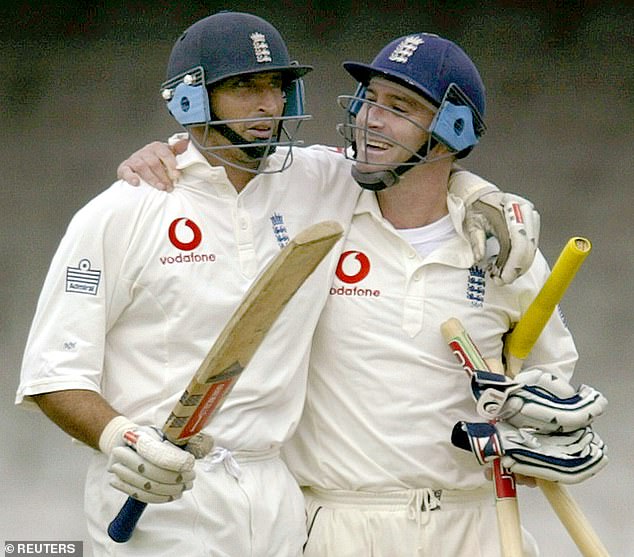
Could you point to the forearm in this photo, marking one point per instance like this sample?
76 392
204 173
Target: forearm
80 413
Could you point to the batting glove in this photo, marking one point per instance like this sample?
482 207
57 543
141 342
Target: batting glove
145 465
515 224
537 400
560 457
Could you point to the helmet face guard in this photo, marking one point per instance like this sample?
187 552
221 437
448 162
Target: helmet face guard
187 99
224 45
436 70
357 135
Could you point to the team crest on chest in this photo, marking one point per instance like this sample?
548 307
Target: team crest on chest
279 230
476 285
260 47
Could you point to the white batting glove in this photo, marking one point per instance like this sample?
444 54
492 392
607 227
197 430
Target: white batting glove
514 222
145 465
559 457
537 400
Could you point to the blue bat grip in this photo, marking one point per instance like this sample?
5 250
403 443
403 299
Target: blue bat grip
122 526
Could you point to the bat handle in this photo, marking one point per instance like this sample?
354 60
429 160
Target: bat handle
122 526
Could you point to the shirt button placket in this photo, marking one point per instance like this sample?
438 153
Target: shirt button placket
414 295
244 236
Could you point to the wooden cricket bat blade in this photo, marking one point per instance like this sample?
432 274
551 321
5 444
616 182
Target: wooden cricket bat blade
246 329
236 344
575 522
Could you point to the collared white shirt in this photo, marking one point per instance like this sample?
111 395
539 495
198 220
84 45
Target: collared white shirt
384 388
144 281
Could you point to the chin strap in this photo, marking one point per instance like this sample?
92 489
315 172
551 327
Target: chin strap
375 181
388 177
253 152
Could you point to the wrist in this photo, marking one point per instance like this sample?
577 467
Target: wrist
112 434
469 187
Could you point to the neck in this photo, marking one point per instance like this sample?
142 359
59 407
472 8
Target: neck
420 197
238 177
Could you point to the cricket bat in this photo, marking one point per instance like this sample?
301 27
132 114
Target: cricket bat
506 506
236 344
518 345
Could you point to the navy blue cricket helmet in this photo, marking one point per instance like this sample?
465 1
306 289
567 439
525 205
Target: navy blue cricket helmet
439 71
225 45
228 44
429 65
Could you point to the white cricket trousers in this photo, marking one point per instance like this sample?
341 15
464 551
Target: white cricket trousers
413 523
241 505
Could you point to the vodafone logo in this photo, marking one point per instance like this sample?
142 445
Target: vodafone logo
353 267
185 234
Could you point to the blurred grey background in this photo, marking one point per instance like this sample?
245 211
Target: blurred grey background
79 92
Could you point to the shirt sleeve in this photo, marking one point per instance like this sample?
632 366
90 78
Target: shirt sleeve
82 294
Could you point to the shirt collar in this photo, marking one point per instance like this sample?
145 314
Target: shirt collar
457 252
368 203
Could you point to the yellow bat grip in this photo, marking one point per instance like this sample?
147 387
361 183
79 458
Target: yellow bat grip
523 337
518 344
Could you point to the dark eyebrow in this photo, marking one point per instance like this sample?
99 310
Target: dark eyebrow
250 78
406 99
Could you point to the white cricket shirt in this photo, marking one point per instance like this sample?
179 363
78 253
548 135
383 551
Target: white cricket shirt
384 388
144 281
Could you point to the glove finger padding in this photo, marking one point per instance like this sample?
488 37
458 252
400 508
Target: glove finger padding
132 470
515 224
537 400
125 457
150 468
144 495
562 457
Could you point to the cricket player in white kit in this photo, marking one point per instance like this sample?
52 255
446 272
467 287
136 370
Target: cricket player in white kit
373 450
143 282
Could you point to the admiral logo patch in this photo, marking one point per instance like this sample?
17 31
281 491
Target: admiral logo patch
82 279
261 48
405 49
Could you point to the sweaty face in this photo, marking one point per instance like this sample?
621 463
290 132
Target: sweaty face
391 126
249 104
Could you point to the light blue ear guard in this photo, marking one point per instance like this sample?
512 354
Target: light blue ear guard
190 104
457 123
188 98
